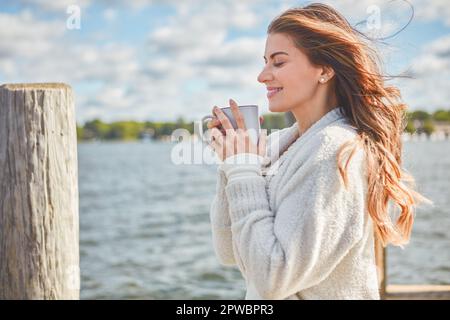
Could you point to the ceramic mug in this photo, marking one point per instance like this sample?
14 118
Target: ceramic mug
250 113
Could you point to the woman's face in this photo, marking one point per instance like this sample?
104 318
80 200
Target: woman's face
290 78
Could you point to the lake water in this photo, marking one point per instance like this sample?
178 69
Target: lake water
145 231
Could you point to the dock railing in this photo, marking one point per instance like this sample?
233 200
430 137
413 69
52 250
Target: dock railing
408 291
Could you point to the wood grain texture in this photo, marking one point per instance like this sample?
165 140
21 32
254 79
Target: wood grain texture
418 292
39 226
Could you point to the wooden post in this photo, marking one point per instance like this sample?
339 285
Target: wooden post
39 227
380 259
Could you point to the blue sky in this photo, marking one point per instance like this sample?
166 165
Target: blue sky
159 60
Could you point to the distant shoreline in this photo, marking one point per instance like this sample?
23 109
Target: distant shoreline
406 137
418 123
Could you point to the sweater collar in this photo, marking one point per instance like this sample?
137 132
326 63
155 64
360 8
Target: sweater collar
331 116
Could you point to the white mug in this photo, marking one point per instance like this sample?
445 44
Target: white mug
250 114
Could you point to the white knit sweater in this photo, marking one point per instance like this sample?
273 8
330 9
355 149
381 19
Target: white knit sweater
298 233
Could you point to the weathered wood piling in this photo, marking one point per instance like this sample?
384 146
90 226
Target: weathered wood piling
39 227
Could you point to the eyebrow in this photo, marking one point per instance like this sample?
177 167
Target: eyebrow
275 53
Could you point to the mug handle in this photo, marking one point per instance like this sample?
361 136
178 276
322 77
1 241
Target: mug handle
202 136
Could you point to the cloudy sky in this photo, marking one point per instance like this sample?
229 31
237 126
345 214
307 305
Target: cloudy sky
159 60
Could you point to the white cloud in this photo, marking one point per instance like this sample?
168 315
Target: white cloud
376 18
396 9
243 17
22 36
114 97
429 89
8 68
433 10
33 50
110 14
56 6
193 48
187 65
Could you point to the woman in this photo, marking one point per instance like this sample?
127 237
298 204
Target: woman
306 231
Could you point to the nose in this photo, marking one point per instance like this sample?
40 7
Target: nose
264 76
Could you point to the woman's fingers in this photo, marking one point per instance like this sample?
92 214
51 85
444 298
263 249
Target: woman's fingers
217 142
213 123
237 115
216 135
226 124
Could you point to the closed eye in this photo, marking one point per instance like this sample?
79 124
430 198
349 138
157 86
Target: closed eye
278 64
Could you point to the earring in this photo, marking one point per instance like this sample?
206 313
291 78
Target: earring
322 80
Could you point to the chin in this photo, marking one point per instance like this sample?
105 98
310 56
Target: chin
277 107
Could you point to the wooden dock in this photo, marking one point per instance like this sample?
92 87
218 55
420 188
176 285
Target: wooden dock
405 292
417 292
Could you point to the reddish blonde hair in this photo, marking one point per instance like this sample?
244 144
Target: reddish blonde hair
372 107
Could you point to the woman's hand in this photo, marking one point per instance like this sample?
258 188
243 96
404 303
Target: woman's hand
215 123
229 142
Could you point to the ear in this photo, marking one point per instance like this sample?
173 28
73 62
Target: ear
327 73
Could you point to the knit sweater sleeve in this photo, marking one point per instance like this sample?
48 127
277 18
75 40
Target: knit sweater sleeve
316 223
221 222
219 209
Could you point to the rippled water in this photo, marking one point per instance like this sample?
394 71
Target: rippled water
427 258
145 232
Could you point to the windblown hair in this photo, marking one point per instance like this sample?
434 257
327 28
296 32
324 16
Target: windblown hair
372 107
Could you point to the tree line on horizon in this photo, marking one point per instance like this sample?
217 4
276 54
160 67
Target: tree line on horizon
417 122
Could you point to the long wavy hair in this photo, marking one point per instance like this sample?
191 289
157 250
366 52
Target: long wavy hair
372 107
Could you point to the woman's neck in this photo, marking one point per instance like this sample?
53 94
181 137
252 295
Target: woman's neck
309 113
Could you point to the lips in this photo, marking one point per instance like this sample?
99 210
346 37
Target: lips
271 91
